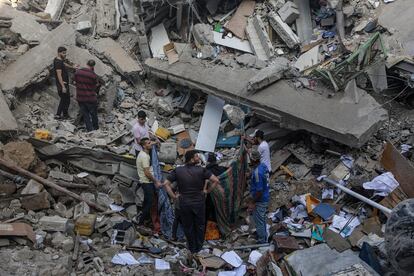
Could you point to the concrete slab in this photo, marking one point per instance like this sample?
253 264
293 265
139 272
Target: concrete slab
81 56
7 120
336 118
321 260
55 8
289 12
258 38
398 18
24 24
116 55
30 67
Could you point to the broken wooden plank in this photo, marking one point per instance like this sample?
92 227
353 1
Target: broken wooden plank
237 24
278 158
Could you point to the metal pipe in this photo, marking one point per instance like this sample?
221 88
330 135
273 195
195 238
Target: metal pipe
358 196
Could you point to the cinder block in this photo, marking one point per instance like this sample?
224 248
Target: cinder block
289 12
54 223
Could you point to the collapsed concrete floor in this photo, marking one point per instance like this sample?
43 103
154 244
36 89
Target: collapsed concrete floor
339 118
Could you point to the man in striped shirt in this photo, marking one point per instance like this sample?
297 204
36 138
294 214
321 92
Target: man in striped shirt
87 86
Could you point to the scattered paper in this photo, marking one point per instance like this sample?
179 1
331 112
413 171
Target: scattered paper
254 257
232 258
144 259
383 184
115 207
327 193
82 174
299 212
348 161
346 224
124 259
240 271
405 148
160 264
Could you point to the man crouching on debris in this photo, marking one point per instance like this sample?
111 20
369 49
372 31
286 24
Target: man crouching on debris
147 180
87 85
190 182
60 68
259 192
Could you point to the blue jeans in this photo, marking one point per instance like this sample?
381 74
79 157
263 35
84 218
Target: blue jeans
259 217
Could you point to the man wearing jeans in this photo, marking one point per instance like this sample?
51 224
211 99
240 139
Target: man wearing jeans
147 180
259 192
87 86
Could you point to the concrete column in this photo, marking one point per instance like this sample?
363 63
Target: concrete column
179 15
304 22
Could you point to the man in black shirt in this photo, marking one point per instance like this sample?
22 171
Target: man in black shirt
190 183
60 68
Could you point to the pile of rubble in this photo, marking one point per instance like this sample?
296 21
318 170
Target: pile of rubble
319 78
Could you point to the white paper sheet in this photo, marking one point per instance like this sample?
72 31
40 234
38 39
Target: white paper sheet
339 222
254 257
124 259
115 207
160 264
232 258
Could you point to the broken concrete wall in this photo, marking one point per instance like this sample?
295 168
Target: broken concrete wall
336 118
107 17
30 67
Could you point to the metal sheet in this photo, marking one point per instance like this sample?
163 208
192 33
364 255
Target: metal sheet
402 169
210 124
233 42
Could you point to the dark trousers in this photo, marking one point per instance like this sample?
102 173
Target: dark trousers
193 219
64 102
89 113
149 193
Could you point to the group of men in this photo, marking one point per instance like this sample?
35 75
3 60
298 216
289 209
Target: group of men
195 182
87 87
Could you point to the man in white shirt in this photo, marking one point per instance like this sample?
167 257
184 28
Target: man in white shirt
140 130
263 149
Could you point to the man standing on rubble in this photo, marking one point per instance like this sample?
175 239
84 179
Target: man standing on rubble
87 85
140 130
191 194
147 180
60 68
263 148
259 192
